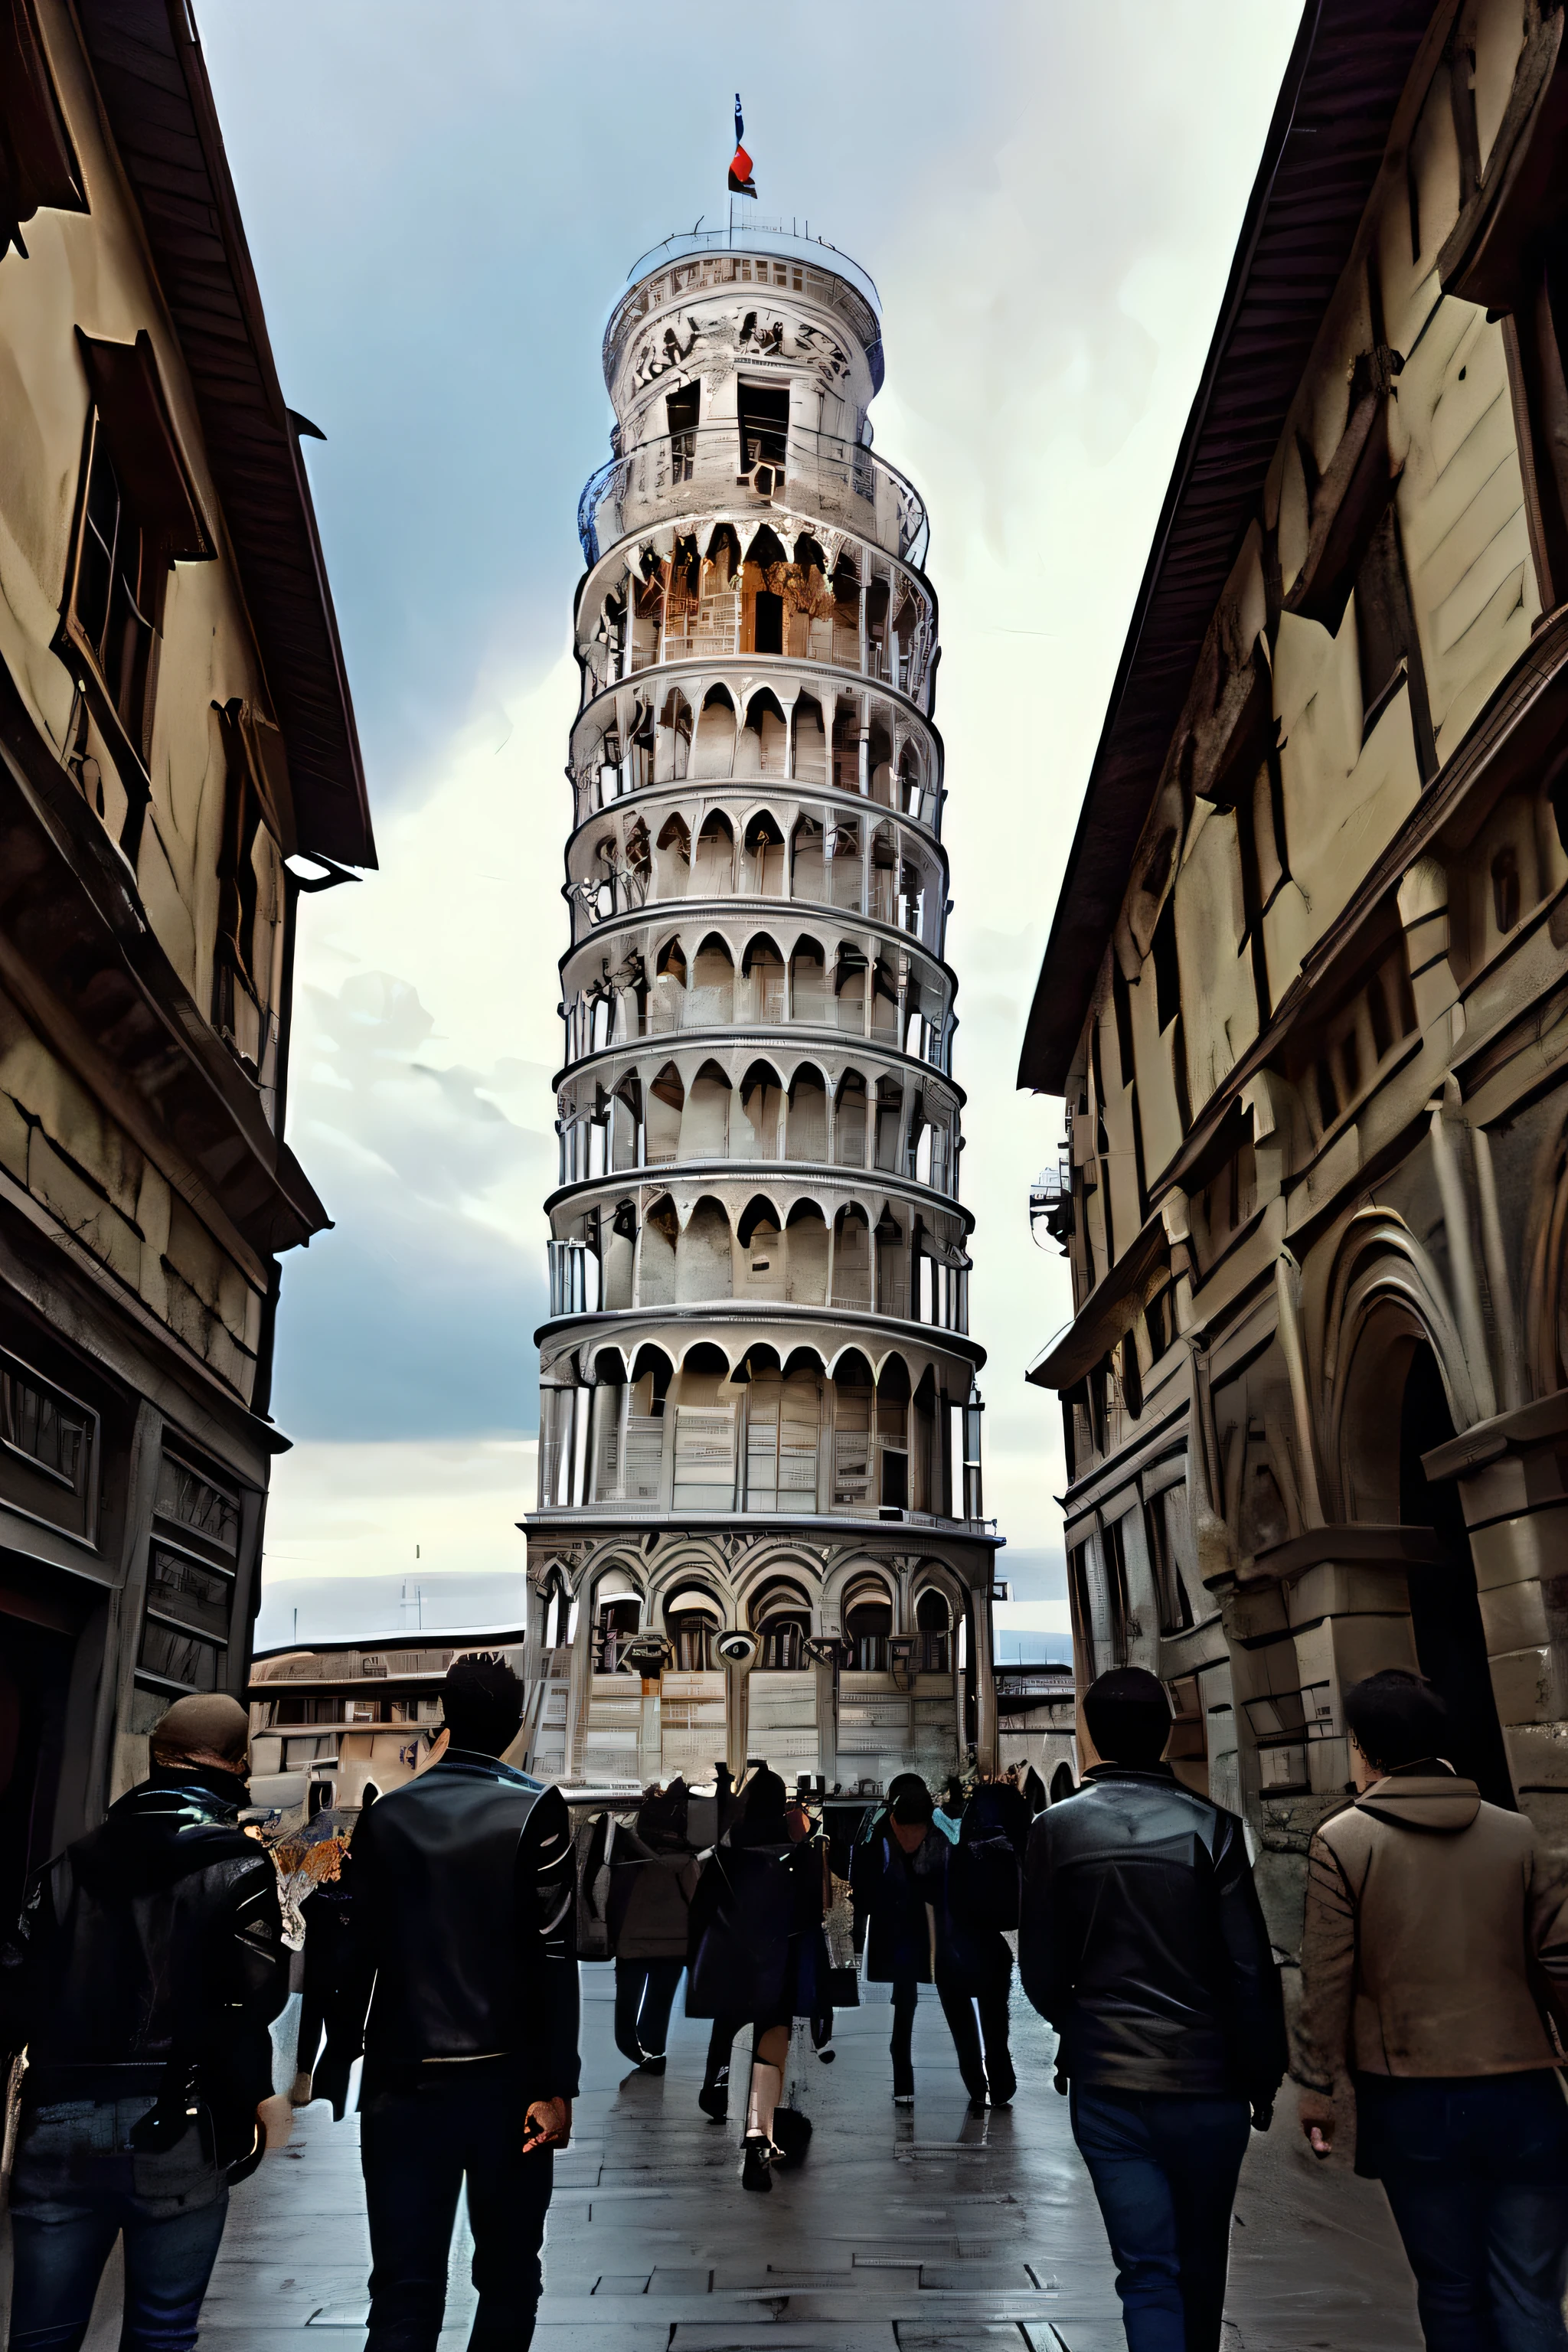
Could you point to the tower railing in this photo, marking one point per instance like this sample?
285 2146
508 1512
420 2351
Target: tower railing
712 468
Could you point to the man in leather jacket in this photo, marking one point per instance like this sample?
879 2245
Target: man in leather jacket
147 1965
1143 1943
461 1990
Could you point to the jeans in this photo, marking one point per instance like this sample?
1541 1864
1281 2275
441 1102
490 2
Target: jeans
906 1994
1476 2171
1164 2168
645 1995
419 2143
63 2230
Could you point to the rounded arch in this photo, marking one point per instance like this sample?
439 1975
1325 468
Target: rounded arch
758 1210
704 1256
803 1359
807 979
806 1123
850 1369
1379 1265
811 741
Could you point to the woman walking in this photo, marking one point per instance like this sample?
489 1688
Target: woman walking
758 1958
653 1877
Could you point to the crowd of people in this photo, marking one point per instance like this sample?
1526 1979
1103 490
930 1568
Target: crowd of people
150 1965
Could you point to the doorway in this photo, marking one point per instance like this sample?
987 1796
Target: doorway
1445 1608
34 1669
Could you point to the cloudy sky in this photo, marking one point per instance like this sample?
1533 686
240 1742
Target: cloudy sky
443 204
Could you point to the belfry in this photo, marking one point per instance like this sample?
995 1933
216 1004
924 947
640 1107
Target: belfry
760 1528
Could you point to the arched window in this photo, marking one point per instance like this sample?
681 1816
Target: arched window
805 1133
849 1121
934 1624
851 1259
810 743
762 970
781 1616
713 872
868 1622
756 1136
763 744
692 1618
705 1124
672 861
667 1100
704 1259
710 999
808 873
807 983
764 872
713 748
806 1238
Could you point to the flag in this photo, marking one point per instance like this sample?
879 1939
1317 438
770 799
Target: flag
740 181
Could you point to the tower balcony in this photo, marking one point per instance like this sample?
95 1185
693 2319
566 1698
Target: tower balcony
724 470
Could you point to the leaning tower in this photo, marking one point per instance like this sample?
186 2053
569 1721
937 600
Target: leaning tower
760 1528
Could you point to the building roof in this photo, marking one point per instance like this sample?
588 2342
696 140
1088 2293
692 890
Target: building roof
1349 64
152 81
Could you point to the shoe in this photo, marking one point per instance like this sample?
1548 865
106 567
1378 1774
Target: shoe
651 2065
903 2098
756 2172
713 2099
977 2102
300 2091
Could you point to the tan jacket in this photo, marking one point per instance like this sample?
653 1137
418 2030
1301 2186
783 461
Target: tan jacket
1426 1909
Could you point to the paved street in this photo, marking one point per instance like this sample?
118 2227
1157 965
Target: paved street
904 2232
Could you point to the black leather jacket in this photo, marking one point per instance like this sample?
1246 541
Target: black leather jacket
153 1943
1142 1941
462 1942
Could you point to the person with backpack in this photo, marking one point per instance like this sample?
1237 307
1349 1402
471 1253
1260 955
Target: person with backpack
1142 1941
758 1957
1435 1945
149 1963
653 1876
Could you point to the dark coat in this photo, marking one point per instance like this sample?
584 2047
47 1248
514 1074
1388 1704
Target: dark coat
150 1948
897 1898
465 1891
650 1907
1142 1941
756 1951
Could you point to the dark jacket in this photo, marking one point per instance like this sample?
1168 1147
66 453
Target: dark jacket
463 1937
756 1950
1143 1943
150 1948
650 1899
897 1899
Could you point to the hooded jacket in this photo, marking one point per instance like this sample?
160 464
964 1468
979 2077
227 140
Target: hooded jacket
1143 1940
154 1944
1434 1924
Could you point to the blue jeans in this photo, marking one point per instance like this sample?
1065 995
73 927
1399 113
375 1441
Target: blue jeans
1164 2169
1476 2171
64 2223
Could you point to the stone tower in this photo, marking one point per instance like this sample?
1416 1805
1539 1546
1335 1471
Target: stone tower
760 1528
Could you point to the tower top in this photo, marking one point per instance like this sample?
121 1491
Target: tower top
784 240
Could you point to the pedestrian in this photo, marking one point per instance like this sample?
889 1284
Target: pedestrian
973 1961
1436 1926
327 1924
652 1880
1142 1941
148 1966
461 1990
758 1957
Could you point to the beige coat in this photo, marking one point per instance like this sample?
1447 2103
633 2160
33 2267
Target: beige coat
1426 1911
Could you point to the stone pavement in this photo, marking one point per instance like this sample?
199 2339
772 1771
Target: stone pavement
907 2231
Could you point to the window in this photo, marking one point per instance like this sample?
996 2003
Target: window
242 950
137 516
191 1577
1167 971
1171 1592
38 168
681 409
763 412
1114 1548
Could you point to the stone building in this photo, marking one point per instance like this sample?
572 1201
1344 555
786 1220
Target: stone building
760 1527
1305 989
177 745
342 1722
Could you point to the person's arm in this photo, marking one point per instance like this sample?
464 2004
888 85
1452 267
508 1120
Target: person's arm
1040 1970
1257 2001
547 1923
346 1997
1327 1986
